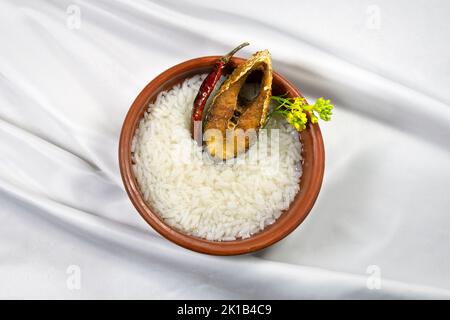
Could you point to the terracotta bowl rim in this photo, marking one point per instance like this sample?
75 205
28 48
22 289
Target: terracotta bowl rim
258 241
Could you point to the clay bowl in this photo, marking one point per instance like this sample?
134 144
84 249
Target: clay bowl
313 167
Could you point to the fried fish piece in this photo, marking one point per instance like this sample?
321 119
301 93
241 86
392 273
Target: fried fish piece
231 120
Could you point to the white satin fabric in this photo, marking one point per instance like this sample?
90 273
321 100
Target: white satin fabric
384 208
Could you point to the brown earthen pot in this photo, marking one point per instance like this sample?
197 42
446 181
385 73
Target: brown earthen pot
311 180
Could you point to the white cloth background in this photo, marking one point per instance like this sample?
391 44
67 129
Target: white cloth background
385 201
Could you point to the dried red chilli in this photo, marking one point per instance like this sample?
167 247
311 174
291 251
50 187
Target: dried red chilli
206 88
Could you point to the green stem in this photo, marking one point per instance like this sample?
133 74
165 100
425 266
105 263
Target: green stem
226 58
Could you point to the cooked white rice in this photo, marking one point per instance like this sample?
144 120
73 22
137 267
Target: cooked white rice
215 201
